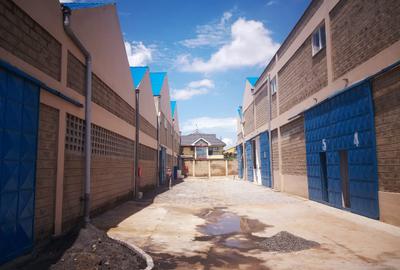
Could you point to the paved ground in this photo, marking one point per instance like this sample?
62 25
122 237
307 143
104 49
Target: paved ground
231 224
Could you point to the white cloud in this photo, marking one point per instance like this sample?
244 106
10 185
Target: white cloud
228 142
192 89
202 83
212 34
209 124
188 93
138 54
251 44
272 2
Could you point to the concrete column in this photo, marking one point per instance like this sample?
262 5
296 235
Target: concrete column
209 168
226 168
194 167
60 173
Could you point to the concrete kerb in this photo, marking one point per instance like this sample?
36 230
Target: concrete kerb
139 251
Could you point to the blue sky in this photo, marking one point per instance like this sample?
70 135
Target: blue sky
208 48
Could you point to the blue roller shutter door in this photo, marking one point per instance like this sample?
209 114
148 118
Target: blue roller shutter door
19 110
344 123
249 161
265 159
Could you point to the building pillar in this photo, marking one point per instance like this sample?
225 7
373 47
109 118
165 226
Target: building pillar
194 168
226 168
60 173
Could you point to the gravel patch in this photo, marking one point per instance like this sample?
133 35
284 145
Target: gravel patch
93 249
286 242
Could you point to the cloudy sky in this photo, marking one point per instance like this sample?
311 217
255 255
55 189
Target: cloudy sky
208 48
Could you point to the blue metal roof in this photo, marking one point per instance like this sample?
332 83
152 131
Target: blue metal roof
173 105
157 80
138 74
86 5
252 80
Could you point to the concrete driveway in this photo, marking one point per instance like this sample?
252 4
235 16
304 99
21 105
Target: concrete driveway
231 224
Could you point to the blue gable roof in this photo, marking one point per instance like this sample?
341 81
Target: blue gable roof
173 105
138 74
157 80
86 5
252 80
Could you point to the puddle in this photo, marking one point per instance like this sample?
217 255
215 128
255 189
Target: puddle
229 230
220 222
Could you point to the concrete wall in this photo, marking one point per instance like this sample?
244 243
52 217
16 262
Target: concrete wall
210 168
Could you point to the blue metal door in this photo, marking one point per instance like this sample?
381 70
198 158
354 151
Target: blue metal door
240 160
265 160
163 161
19 110
249 161
344 123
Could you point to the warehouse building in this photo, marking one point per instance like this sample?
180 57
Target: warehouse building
323 115
45 54
168 134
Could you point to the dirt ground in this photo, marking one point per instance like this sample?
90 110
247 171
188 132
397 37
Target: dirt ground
231 224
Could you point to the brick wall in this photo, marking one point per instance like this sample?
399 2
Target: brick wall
26 39
218 167
75 74
148 163
189 165
112 170
46 172
232 167
261 107
360 29
102 94
201 168
148 128
249 119
188 150
293 148
302 76
274 106
163 130
275 150
386 97
315 4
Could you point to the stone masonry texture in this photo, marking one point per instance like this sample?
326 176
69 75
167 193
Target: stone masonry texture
46 172
302 76
361 29
386 97
293 148
26 39
275 150
102 94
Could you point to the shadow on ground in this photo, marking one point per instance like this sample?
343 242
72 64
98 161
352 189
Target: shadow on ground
45 256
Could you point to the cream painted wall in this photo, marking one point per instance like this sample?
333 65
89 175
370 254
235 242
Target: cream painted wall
165 105
247 96
146 99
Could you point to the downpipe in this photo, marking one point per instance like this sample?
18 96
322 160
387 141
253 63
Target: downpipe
88 110
136 188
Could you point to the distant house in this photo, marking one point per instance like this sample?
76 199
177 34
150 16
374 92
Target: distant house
201 146
203 156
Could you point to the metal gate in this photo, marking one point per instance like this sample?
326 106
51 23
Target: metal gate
265 160
341 152
249 161
19 113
